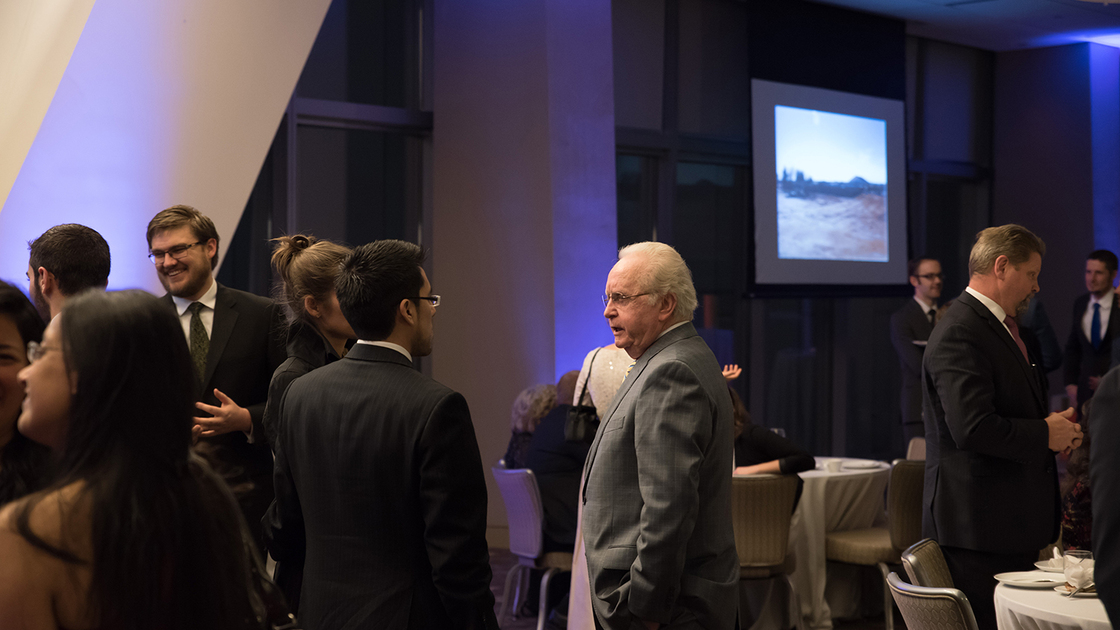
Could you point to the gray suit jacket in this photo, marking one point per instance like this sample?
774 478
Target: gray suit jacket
657 497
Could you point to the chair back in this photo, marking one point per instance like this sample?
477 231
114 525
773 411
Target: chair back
931 608
761 508
926 565
904 502
524 512
916 449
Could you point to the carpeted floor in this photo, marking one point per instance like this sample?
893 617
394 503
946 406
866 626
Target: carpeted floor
501 561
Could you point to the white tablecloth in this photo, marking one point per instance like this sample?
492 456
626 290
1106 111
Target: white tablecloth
830 502
1045 609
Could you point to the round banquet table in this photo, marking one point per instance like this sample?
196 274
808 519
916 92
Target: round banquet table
831 502
1045 609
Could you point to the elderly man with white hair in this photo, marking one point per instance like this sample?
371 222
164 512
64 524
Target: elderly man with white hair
657 497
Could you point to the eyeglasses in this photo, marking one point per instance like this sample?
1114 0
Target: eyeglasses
35 351
178 252
434 299
931 276
619 299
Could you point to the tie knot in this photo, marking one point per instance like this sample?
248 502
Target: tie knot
1011 324
1097 306
196 307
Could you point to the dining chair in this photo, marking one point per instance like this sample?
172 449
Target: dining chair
761 510
925 608
525 516
882 546
916 449
925 564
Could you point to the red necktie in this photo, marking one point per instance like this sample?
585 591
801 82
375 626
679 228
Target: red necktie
1013 326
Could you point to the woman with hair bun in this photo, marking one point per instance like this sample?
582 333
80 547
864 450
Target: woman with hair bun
317 335
317 331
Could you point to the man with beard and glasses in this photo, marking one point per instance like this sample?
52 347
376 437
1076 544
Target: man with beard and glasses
66 260
991 487
235 344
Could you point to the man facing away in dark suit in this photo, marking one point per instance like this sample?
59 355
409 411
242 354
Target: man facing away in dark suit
657 492
379 482
991 488
65 260
235 343
1091 336
910 329
1105 483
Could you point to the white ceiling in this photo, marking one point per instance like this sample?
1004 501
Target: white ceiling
1000 24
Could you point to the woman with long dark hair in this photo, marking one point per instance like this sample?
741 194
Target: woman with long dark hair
136 532
23 463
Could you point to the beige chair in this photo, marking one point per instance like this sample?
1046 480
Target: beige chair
925 608
882 546
761 509
525 516
926 566
916 449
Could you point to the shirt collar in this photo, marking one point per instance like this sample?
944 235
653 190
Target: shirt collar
996 309
208 299
1105 301
388 344
925 307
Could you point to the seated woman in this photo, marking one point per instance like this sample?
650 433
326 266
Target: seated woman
759 450
317 330
23 463
532 404
135 532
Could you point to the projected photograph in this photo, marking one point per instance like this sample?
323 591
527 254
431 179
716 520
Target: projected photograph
831 185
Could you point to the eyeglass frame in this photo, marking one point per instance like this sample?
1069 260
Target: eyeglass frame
620 299
931 276
36 351
434 299
158 257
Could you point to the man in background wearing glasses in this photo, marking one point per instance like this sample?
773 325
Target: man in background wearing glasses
67 259
235 343
910 329
379 482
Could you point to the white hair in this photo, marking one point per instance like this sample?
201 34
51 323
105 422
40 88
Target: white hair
666 273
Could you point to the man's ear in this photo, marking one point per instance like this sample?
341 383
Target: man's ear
914 281
1001 265
667 306
48 284
406 311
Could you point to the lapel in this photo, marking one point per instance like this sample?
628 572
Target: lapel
1001 331
921 318
1113 329
225 317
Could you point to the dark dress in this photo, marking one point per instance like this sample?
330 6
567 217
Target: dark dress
307 350
758 445
517 453
1077 517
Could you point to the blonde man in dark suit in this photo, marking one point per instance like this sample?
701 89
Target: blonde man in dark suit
991 487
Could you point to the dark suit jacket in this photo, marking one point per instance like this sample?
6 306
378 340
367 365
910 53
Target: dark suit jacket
379 478
245 348
990 482
557 464
1081 360
657 493
909 324
1105 481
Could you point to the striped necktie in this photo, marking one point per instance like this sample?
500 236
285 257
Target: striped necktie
199 341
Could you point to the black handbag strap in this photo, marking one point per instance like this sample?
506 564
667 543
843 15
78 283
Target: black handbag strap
587 380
